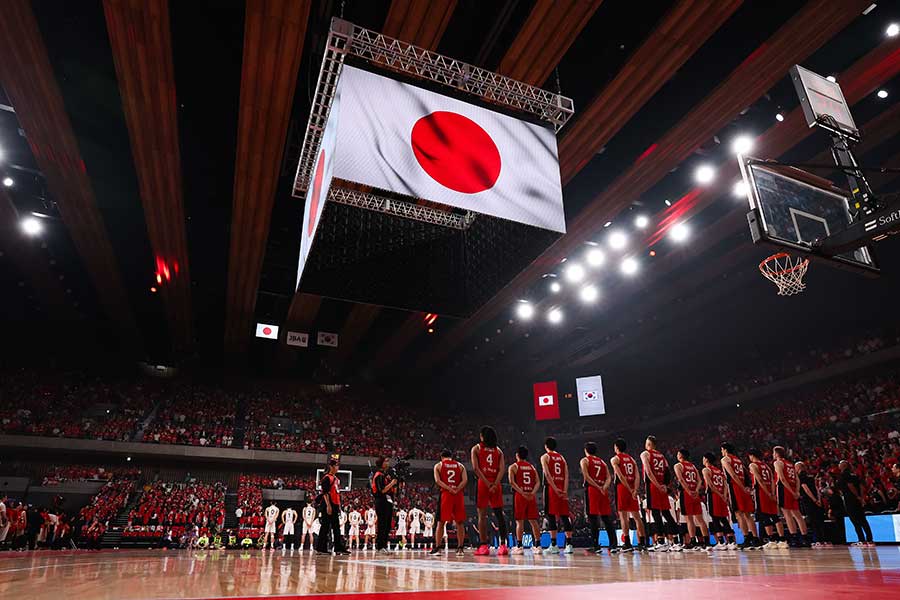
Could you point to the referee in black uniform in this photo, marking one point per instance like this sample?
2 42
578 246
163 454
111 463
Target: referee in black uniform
382 490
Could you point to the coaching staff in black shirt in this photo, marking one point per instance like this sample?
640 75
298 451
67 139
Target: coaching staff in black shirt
383 487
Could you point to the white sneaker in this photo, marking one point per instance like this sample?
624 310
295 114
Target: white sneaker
517 551
732 546
568 549
676 548
783 544
551 550
720 547
771 544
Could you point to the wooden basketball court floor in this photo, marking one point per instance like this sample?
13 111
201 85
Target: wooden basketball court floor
213 574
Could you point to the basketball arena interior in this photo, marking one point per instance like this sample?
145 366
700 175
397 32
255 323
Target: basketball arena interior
460 299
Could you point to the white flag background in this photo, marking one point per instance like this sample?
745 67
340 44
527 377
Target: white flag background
590 396
405 139
265 330
319 184
326 338
297 338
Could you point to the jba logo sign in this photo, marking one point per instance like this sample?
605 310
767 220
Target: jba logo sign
295 338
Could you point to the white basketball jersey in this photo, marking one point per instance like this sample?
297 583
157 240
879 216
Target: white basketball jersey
290 516
415 515
343 518
271 513
370 516
309 514
355 518
401 517
429 519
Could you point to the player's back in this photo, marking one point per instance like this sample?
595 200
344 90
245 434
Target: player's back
628 467
488 460
596 468
556 466
451 472
526 476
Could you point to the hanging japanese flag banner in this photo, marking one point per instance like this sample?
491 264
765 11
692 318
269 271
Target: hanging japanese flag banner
398 137
296 338
264 330
326 338
590 396
546 401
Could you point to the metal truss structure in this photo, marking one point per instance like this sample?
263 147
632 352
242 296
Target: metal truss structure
400 208
345 38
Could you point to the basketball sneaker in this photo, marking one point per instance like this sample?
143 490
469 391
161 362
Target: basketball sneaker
460 551
783 544
502 550
483 550
435 550
552 549
733 546
720 547
517 551
770 545
568 549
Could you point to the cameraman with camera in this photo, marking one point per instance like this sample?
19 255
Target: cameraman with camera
384 482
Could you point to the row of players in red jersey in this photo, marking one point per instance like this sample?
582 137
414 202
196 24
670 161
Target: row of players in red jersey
757 491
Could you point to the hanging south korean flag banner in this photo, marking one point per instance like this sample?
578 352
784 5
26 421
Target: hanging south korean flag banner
326 338
398 137
590 396
296 338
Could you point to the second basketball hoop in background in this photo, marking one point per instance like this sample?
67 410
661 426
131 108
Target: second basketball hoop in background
785 272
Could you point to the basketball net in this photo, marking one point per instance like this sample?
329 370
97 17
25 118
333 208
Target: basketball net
785 272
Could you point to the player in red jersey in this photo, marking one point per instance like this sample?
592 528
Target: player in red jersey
656 480
523 479
450 476
627 503
596 497
489 465
764 494
556 494
717 502
691 507
741 500
789 496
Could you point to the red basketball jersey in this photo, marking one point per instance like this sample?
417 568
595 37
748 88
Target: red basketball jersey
556 466
628 468
690 475
738 468
659 465
765 476
489 461
526 476
451 472
790 475
597 469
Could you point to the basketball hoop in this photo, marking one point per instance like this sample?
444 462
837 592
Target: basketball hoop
785 272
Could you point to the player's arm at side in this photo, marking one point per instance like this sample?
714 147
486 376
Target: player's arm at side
464 482
565 488
754 470
614 461
545 469
679 475
779 470
473 457
728 468
585 472
648 472
437 479
511 473
500 468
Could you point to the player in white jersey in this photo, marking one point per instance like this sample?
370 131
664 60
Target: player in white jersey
401 527
270 531
371 520
415 525
316 527
342 522
4 519
429 529
355 519
288 518
309 517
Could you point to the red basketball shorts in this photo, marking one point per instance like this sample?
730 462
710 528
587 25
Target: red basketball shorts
453 507
524 509
625 502
487 498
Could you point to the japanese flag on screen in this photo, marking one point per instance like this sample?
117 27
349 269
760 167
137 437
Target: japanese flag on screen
264 330
402 138
546 401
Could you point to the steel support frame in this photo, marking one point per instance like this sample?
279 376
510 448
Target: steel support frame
399 208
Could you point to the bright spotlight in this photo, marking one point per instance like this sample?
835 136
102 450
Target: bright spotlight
704 174
31 226
595 257
525 311
629 266
589 294
892 30
739 189
742 144
882 94
679 232
641 221
779 117
8 181
555 287
574 273
555 316
832 78
617 240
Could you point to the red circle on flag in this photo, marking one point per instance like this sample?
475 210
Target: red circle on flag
267 330
317 189
456 152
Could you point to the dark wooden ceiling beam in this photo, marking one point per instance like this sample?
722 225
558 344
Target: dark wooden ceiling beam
355 327
28 79
273 44
816 23
142 52
421 23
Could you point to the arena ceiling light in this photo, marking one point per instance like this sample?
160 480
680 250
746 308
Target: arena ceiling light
589 294
31 226
705 174
679 233
574 272
629 266
779 117
595 257
892 30
555 287
832 78
641 221
8 181
742 144
617 240
525 311
739 189
555 316
882 94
